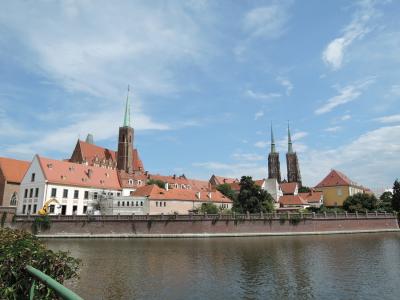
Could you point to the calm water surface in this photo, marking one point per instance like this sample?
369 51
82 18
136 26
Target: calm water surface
365 266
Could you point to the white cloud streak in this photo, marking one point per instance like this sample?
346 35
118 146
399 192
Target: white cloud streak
389 119
359 26
262 96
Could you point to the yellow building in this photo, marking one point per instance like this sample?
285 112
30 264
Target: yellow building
336 187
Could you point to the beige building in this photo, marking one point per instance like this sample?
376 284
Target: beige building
12 172
336 187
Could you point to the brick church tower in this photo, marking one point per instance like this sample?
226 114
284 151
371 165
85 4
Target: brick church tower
292 162
125 142
274 168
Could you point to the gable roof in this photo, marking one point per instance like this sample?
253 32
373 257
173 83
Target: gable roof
221 180
288 187
153 192
67 173
13 169
292 200
335 178
312 196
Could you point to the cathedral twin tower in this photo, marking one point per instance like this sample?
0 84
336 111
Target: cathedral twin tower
292 162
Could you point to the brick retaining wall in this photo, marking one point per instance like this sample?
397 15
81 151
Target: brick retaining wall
167 225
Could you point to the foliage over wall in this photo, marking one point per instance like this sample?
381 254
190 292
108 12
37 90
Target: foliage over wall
19 249
360 202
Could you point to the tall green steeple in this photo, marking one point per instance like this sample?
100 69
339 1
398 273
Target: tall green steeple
127 117
273 150
290 146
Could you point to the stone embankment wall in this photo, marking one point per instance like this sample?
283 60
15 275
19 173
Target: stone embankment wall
8 212
219 225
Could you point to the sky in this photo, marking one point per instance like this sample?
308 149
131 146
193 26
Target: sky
207 80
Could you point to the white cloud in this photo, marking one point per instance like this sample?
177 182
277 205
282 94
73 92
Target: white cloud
333 129
357 29
235 170
389 119
347 94
261 144
258 114
247 156
346 117
266 21
395 90
262 96
286 84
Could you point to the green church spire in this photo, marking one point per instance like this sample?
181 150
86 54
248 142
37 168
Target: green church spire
290 146
273 150
127 118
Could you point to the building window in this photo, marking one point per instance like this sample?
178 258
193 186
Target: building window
127 203
95 195
29 209
123 203
34 208
76 194
13 200
84 209
74 209
118 204
26 193
86 196
141 203
23 209
36 192
53 192
65 193
157 203
30 193
132 204
137 203
52 207
118 194
130 182
339 191
33 177
63 210
165 204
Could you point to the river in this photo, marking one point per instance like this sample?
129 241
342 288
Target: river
356 266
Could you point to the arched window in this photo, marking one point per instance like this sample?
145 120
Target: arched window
13 200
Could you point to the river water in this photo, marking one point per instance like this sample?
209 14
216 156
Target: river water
357 266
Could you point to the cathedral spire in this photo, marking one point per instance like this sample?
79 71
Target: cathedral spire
273 150
290 146
127 117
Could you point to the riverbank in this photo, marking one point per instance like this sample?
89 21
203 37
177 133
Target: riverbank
197 226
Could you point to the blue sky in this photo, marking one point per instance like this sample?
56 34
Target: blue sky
208 78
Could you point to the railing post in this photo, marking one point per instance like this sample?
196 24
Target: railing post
356 214
366 213
248 215
345 214
376 213
324 214
313 214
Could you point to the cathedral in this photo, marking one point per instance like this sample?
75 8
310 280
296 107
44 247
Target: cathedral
292 162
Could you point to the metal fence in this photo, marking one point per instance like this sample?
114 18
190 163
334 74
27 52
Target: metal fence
207 217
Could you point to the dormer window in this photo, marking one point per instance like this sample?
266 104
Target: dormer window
130 182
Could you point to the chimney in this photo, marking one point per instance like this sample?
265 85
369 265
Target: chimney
166 186
209 195
198 195
89 173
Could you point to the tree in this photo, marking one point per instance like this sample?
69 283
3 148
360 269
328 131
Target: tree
385 202
304 189
252 198
209 208
18 249
360 202
158 182
396 196
226 190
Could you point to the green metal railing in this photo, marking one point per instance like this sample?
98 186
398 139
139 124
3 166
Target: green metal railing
57 287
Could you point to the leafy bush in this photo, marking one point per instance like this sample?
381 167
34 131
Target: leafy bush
360 202
41 223
295 219
209 208
282 218
19 249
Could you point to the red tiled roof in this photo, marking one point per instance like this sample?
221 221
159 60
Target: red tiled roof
288 187
195 184
156 193
221 180
235 186
259 182
336 178
292 200
312 196
13 169
91 151
67 173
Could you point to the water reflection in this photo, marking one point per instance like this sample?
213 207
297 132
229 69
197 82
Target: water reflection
308 267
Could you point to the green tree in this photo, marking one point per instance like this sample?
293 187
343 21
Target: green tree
226 190
209 208
304 189
17 250
158 182
385 202
360 202
396 196
252 198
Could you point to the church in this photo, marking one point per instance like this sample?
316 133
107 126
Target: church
292 162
